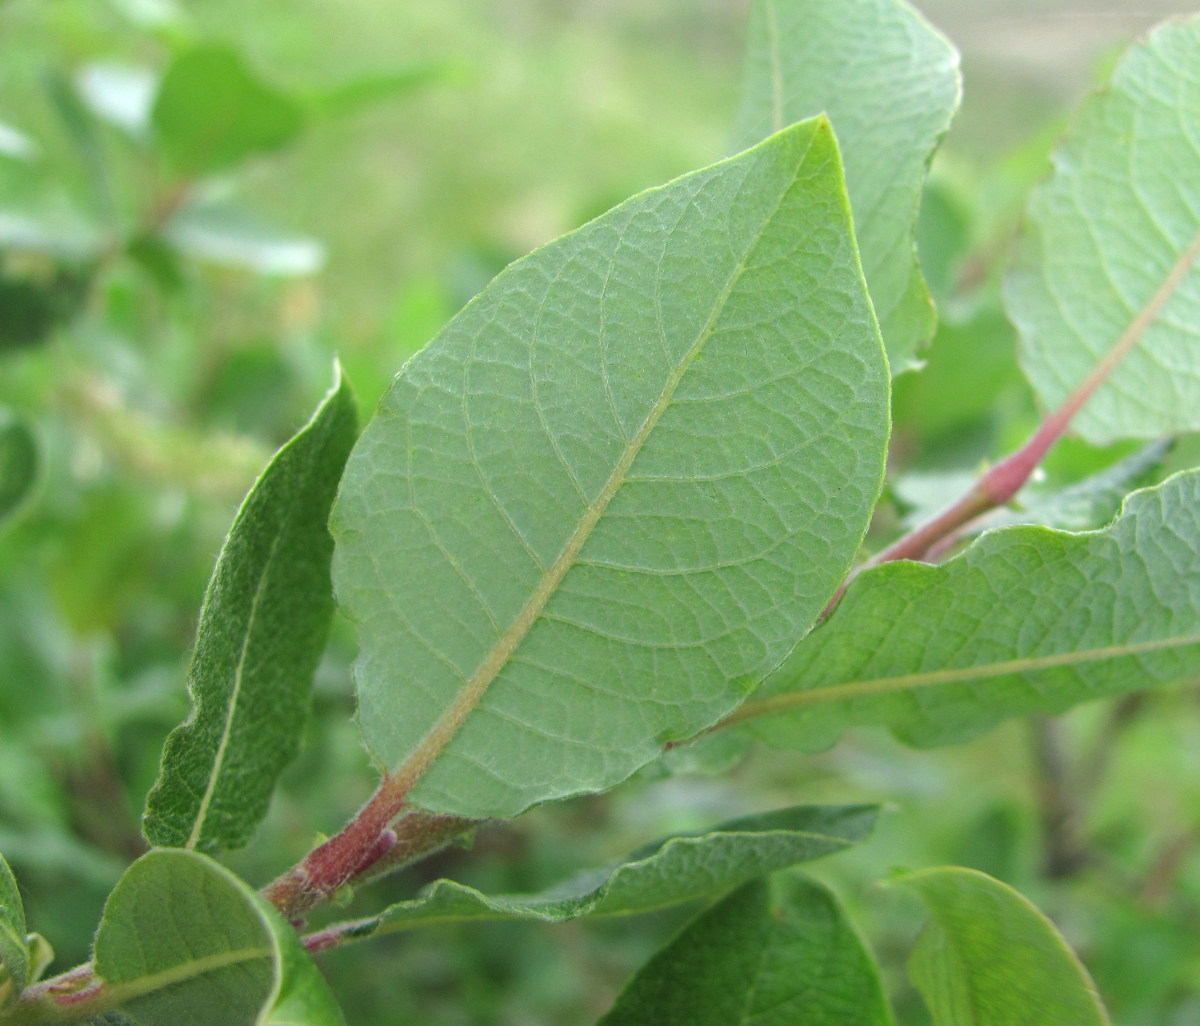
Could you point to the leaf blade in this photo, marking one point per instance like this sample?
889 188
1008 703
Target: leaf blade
512 480
261 634
14 954
890 84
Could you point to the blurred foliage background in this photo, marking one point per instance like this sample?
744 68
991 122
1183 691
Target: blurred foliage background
169 316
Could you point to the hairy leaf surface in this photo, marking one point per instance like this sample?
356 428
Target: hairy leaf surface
988 957
261 634
668 872
1026 620
14 955
1108 264
609 497
777 952
183 940
889 82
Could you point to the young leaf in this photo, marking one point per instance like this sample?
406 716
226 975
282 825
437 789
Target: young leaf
14 955
606 500
212 112
889 82
1107 269
182 938
1026 620
668 872
18 463
777 952
988 957
261 634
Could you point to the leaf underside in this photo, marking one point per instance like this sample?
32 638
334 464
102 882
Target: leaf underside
611 495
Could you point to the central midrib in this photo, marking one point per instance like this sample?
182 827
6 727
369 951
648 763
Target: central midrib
448 724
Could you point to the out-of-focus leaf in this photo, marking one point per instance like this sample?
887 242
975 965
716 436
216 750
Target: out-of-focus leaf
1108 264
14 955
55 232
612 493
18 463
261 634
1026 620
122 94
348 98
777 952
184 942
889 82
988 957
222 231
668 872
213 112
15 144
31 307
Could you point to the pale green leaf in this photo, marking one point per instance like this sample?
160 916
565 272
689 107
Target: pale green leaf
668 872
122 94
18 463
889 82
777 952
988 957
222 231
183 939
260 637
599 507
1026 620
1108 263
14 955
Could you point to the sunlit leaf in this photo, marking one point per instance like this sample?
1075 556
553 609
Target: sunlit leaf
609 497
222 231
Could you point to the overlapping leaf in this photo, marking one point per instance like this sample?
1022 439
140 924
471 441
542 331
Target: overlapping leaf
889 83
261 634
1108 265
777 952
1026 620
669 872
608 498
184 942
988 957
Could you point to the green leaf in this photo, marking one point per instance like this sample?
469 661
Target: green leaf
1108 264
15 144
18 463
777 952
668 872
212 112
222 231
613 492
354 95
14 955
260 637
1026 620
121 94
988 957
182 937
889 82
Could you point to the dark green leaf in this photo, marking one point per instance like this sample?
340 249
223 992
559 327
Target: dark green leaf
212 112
1026 620
777 952
889 83
18 463
261 634
989 958
184 942
608 498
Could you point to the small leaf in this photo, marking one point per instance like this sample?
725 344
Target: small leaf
221 231
18 463
212 112
122 94
613 492
261 634
15 974
889 82
1107 269
182 937
1026 620
777 952
988 957
669 872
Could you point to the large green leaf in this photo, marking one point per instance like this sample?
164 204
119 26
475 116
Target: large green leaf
1028 619
183 941
989 958
14 955
212 112
261 634
777 952
668 872
1108 264
610 496
890 84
